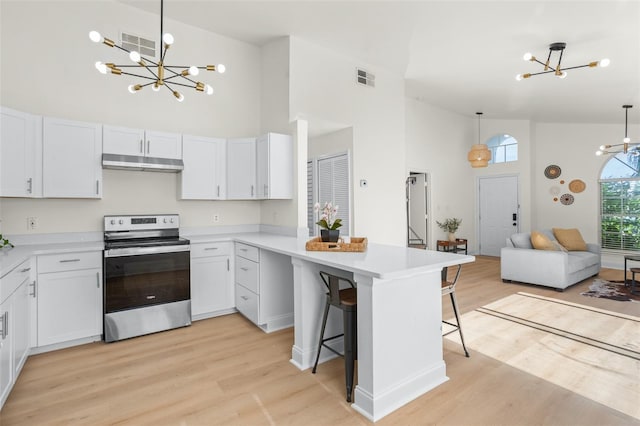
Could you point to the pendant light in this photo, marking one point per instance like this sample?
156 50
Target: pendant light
479 155
626 146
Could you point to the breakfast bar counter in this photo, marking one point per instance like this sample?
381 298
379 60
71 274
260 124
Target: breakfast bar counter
399 315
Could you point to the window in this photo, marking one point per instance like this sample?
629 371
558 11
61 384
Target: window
620 203
328 180
504 148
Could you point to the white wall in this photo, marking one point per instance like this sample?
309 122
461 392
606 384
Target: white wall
336 142
47 68
323 85
572 147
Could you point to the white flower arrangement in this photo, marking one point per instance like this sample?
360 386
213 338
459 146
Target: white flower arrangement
328 217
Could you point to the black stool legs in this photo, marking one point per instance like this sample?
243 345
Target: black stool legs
350 347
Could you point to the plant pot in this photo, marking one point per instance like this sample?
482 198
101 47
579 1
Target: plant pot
330 235
452 237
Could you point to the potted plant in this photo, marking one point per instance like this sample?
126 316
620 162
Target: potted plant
450 225
4 242
328 222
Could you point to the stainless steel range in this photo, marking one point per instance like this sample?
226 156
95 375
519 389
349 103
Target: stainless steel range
146 276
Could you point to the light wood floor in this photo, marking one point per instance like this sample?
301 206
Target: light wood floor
226 371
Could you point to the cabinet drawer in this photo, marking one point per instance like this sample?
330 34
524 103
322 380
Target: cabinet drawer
247 274
10 282
248 252
69 261
210 249
247 303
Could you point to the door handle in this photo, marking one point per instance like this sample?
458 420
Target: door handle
33 284
98 279
141 149
148 146
30 185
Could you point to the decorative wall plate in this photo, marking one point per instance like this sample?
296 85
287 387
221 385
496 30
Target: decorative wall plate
576 186
554 190
552 171
566 199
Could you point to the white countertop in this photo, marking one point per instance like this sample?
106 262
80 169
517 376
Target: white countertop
378 261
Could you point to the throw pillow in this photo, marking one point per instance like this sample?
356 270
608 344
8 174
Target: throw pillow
571 239
540 241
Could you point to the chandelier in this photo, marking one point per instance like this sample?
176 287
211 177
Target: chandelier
479 155
626 146
156 74
558 70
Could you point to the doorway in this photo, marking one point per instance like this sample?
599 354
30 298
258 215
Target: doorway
417 210
499 212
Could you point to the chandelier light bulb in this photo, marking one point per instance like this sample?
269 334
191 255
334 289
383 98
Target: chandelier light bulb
208 89
134 56
132 88
168 39
95 36
599 153
604 63
179 96
626 140
193 70
155 87
101 67
527 56
519 77
221 68
563 74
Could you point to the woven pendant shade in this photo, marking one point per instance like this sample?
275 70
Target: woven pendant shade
479 155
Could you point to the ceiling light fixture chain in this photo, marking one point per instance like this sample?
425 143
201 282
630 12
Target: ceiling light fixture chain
626 146
479 155
557 70
179 75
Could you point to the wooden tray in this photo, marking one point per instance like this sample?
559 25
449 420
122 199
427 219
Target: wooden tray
356 244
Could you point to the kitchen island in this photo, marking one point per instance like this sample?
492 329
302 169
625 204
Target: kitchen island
399 316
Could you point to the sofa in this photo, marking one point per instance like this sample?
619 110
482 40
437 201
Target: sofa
553 267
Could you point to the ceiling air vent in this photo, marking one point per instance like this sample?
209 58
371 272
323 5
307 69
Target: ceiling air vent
365 78
142 45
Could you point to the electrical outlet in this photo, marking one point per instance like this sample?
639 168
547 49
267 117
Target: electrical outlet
216 217
32 223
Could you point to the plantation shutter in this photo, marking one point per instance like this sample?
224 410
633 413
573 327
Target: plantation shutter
333 185
310 200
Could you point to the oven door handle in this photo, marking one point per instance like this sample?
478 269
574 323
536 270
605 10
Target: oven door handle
137 251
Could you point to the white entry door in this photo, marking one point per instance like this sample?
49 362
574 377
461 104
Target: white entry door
499 212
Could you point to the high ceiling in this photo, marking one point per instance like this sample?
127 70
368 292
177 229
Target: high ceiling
460 55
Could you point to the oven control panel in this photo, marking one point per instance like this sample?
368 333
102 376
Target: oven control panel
141 222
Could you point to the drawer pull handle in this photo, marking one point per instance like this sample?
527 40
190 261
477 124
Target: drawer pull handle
211 248
244 298
33 284
244 269
25 270
69 260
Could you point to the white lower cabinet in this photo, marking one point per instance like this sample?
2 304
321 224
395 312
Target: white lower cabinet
69 297
212 291
264 287
14 326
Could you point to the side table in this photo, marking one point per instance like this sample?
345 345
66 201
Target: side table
459 244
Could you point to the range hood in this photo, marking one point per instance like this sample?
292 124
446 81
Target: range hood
149 164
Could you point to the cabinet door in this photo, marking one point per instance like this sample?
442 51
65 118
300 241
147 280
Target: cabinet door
262 167
6 351
163 145
69 305
241 169
71 159
204 174
211 285
20 326
20 154
275 166
123 141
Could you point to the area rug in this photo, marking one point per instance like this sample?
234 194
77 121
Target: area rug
589 351
614 290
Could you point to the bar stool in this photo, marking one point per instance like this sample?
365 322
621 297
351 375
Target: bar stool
449 287
345 300
634 271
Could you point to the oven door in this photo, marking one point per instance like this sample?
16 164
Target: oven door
136 279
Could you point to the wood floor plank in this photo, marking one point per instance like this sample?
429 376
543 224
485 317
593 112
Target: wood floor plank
225 371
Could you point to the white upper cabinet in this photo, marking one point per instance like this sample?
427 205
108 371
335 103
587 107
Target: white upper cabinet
274 166
241 169
126 141
20 154
204 174
71 159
